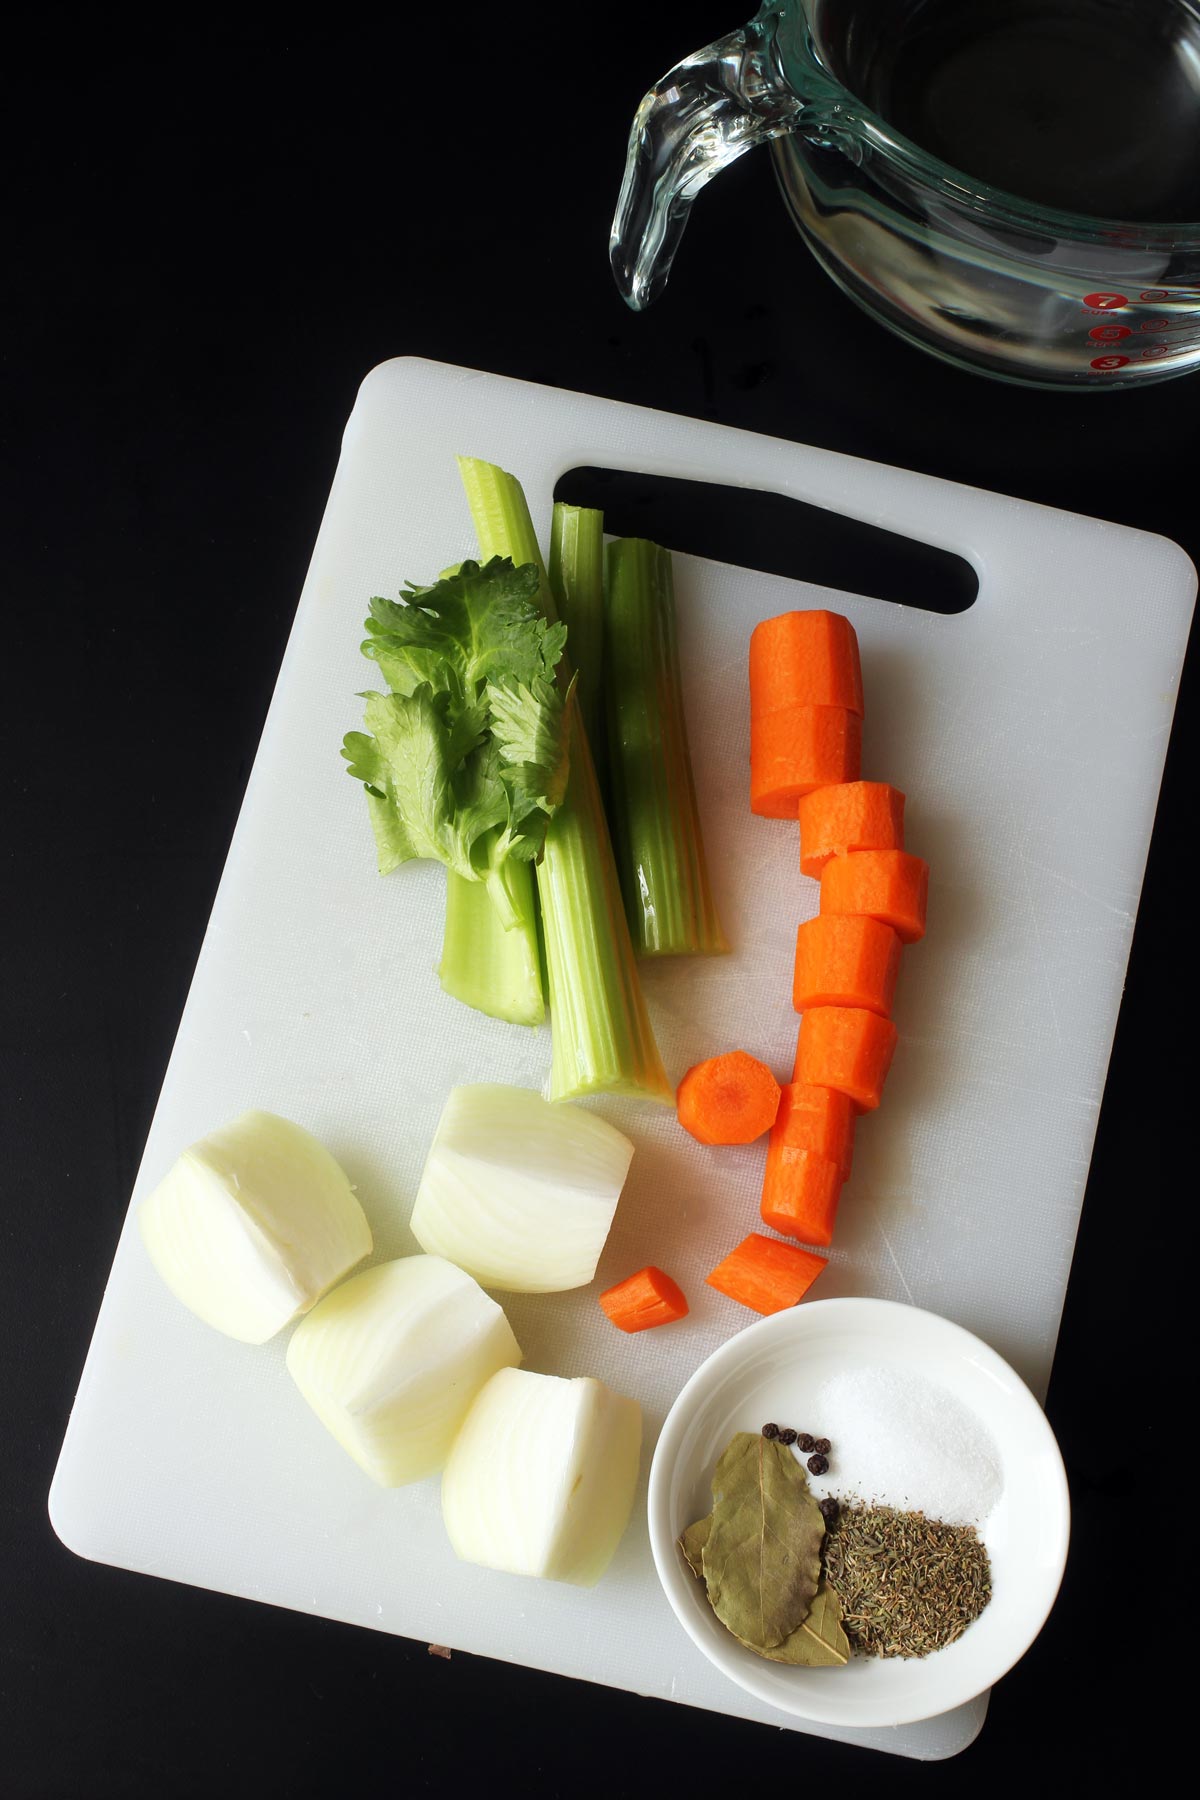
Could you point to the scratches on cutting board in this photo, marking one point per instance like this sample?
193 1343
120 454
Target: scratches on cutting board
965 698
1038 944
887 1244
1118 912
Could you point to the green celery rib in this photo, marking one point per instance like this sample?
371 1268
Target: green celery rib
656 820
493 967
577 583
602 1038
497 971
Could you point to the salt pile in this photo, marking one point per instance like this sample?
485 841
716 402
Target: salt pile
906 1442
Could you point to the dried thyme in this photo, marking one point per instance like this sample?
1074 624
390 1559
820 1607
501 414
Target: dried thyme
908 1585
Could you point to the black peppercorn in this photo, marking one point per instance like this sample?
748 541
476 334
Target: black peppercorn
823 1445
829 1509
770 1431
805 1442
817 1464
787 1435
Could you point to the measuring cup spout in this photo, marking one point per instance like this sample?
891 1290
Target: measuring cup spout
710 108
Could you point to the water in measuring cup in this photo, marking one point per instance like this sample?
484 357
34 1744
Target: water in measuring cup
1089 106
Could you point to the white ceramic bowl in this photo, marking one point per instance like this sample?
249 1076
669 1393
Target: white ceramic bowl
773 1370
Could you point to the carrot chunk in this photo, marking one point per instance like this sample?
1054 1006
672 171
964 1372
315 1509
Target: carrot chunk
645 1299
843 959
805 659
765 1275
854 815
800 1193
730 1099
818 1119
799 749
888 885
845 1048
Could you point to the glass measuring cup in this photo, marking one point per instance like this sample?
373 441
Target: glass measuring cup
1017 288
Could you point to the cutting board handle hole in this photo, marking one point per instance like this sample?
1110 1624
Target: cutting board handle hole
755 529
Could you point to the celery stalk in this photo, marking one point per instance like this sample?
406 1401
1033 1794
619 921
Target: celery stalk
577 583
602 1038
656 820
497 971
489 965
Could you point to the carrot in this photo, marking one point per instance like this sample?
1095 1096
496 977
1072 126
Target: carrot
888 885
817 1119
798 749
730 1099
645 1299
765 1275
805 659
845 1048
844 960
853 815
800 1193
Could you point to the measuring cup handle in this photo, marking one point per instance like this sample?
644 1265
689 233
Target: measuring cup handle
710 108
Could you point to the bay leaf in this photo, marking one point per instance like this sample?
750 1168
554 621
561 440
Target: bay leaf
692 1542
762 1557
820 1642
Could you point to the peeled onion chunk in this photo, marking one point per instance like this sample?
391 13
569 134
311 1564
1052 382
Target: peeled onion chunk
519 1191
542 1476
391 1361
252 1225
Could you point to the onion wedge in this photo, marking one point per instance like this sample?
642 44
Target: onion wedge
391 1361
519 1191
252 1225
542 1476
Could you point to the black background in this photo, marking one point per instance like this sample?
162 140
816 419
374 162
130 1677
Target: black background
214 227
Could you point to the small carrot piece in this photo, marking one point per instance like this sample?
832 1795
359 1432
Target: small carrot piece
818 1119
800 1193
799 749
888 885
853 815
765 1275
845 960
848 1049
805 659
729 1099
645 1299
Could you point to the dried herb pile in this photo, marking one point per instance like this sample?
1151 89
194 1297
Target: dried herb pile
908 1585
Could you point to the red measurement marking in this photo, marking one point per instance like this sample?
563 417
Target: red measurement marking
1153 350
1109 362
1105 302
1154 294
1155 325
1109 334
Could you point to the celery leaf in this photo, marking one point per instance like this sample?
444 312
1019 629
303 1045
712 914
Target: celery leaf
464 760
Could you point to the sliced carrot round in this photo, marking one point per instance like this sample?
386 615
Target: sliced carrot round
799 749
851 815
729 1099
844 959
800 1193
848 1049
888 885
805 659
815 1118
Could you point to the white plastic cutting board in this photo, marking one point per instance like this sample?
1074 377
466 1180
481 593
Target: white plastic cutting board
1029 734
